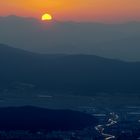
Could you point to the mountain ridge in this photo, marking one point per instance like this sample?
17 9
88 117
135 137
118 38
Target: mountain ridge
84 74
72 38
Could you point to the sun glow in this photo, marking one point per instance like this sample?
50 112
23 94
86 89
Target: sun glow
47 17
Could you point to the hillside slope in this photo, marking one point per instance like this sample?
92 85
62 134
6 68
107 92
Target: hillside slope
77 73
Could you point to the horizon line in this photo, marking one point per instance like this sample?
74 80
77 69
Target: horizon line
73 21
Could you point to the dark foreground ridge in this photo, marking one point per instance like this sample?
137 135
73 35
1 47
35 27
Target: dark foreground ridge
35 119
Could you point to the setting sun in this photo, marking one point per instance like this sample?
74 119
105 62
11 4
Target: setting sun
46 17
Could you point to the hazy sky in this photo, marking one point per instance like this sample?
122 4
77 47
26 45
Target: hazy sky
77 10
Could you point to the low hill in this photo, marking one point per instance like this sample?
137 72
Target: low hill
35 119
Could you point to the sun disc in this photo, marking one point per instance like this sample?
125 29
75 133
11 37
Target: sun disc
46 17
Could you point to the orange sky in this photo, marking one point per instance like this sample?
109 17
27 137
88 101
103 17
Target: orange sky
76 10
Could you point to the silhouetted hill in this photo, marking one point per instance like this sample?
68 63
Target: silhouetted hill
77 73
34 119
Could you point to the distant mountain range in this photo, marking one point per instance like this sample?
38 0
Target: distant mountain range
120 41
35 119
78 74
